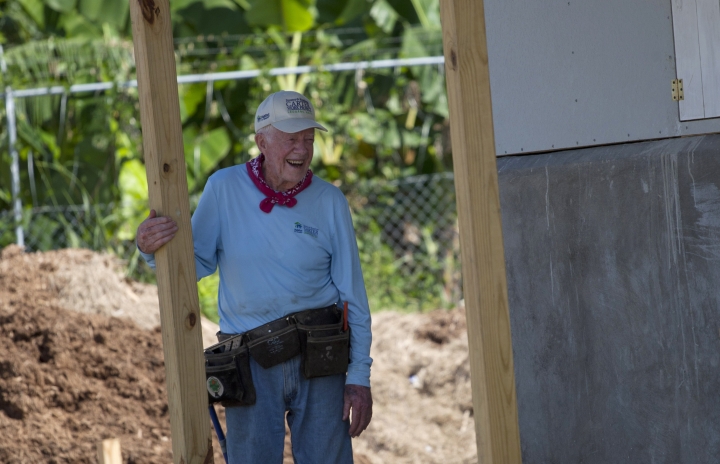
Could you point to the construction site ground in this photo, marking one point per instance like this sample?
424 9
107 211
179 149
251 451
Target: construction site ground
81 360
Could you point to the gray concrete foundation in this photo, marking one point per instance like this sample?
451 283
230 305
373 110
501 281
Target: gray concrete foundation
613 265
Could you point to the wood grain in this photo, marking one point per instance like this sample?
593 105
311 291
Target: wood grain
481 240
109 451
168 193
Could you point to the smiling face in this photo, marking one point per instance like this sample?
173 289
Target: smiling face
287 156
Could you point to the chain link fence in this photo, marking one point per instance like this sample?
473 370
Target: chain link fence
52 227
74 226
409 243
406 229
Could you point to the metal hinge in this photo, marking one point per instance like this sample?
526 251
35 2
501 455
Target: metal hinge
677 90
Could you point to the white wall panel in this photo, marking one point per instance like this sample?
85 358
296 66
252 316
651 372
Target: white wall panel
566 74
687 52
709 41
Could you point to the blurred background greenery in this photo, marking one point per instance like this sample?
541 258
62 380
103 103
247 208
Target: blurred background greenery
82 177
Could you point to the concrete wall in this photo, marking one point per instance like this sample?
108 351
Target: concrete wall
569 73
613 264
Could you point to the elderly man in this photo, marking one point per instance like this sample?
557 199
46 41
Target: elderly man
284 243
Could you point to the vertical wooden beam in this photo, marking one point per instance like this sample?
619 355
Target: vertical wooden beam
478 199
167 185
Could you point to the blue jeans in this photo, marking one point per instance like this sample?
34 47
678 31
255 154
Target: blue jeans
256 434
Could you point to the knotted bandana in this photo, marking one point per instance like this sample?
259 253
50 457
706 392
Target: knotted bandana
272 197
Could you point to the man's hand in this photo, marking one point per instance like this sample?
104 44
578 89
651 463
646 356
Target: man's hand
359 399
155 232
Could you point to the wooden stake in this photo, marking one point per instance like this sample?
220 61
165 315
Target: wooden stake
168 193
483 259
109 451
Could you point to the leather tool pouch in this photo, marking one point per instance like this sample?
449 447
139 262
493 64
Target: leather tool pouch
274 342
325 346
227 373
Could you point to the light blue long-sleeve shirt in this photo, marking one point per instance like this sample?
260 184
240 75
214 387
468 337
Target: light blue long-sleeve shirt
273 264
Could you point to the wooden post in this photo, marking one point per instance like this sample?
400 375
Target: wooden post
167 185
109 451
483 259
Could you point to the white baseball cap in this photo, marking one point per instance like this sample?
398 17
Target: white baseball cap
287 111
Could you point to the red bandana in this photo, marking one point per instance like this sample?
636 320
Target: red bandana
273 198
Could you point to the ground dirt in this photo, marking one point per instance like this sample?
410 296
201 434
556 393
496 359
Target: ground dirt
81 360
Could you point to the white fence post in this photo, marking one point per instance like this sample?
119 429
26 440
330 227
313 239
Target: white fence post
14 166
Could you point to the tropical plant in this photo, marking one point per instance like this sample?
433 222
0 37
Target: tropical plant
83 149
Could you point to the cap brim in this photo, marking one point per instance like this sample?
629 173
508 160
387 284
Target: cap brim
293 125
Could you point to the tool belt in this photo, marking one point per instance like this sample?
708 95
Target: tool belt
316 334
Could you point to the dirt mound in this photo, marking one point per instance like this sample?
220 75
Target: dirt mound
69 380
422 410
75 370
93 283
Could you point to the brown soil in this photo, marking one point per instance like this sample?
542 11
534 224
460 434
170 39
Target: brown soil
422 410
81 361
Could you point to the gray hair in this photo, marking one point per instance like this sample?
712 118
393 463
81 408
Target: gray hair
267 131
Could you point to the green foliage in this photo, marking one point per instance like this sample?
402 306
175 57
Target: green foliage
203 152
387 288
207 294
290 15
86 149
423 275
133 198
208 18
341 12
68 61
35 10
384 15
111 12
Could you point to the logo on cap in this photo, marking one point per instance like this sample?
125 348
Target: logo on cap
263 117
298 105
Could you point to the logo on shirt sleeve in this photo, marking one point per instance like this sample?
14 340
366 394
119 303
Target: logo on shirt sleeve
303 229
